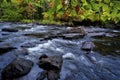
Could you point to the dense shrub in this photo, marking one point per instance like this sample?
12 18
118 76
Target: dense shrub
105 11
10 11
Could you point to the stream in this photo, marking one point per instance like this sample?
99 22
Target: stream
29 42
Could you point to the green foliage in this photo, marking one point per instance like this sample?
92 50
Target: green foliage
10 11
26 21
11 15
67 10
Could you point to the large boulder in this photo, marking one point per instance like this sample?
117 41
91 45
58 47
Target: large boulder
50 63
49 75
42 75
53 75
17 68
52 67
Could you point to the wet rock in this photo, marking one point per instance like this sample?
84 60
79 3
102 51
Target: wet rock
43 56
76 30
5 34
50 75
72 36
28 45
73 33
88 46
48 37
53 75
4 49
42 75
38 35
22 27
17 68
9 30
69 33
51 63
96 34
1 41
22 51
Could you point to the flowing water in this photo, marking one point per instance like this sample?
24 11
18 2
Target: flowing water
102 63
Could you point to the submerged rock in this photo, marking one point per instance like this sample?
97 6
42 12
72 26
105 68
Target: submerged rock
9 30
88 46
22 51
17 68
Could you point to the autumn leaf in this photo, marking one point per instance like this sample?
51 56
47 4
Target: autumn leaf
67 13
63 2
51 4
81 11
77 8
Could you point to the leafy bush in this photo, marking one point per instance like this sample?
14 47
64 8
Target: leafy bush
94 10
10 11
105 11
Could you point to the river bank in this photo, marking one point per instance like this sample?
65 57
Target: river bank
67 23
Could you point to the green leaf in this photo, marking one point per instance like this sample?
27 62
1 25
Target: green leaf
87 7
83 1
107 1
105 7
59 7
111 4
95 6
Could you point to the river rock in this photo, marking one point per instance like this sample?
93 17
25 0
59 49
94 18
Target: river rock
88 45
96 34
49 75
72 36
17 68
76 30
43 56
9 30
4 49
50 63
22 51
53 75
42 75
73 33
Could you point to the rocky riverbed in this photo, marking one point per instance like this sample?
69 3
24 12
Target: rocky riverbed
88 53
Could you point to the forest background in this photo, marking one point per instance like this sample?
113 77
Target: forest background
60 11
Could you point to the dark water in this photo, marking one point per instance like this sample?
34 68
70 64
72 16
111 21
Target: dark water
101 64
